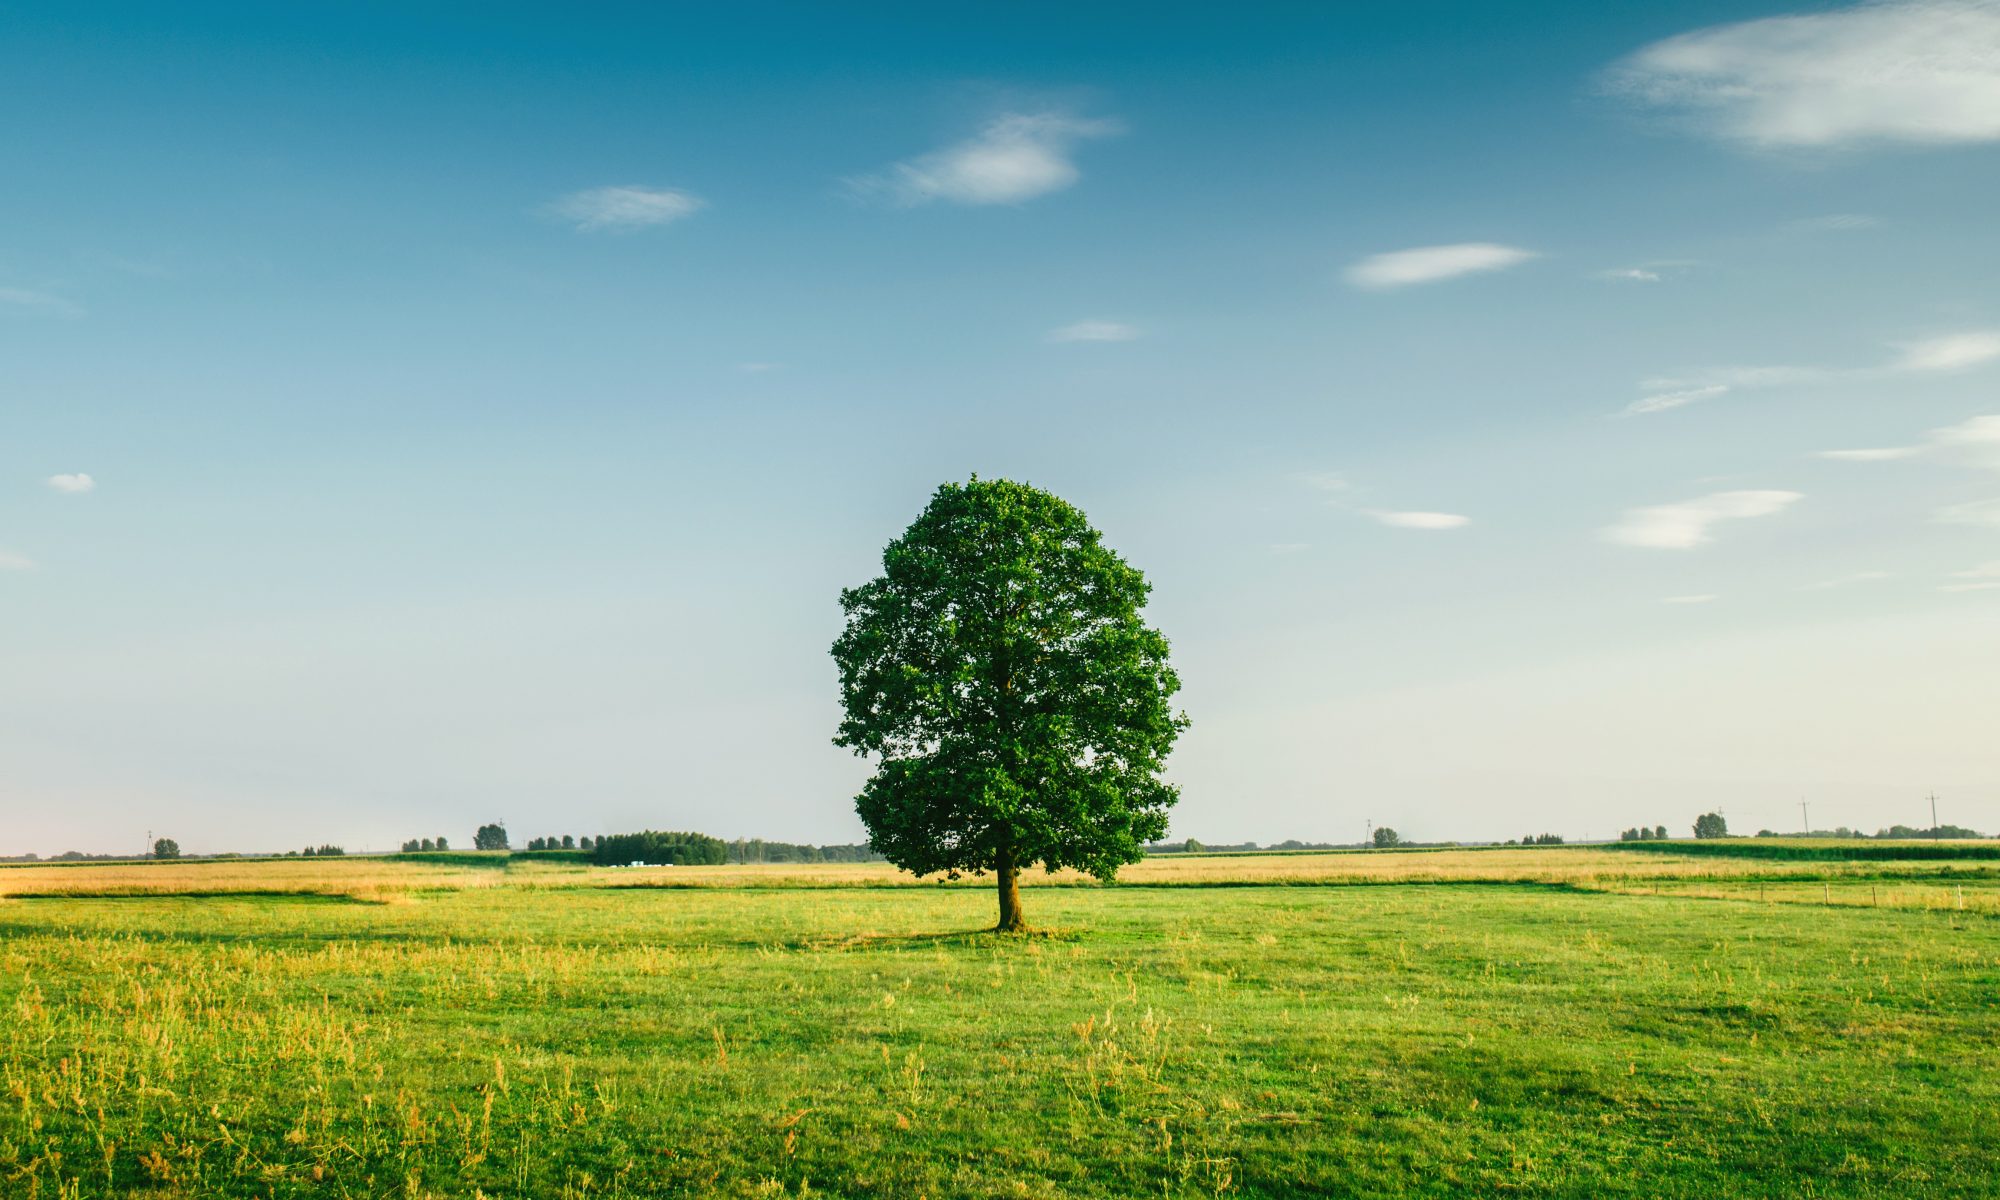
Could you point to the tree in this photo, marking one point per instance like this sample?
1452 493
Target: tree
1193 847
569 841
165 848
489 837
1386 837
584 843
1660 832
1711 825
443 845
1016 701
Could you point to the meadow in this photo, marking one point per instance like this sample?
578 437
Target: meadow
1569 1021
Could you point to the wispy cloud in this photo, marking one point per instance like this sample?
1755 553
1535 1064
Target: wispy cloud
1833 223
1926 356
1326 481
1841 581
624 209
1697 598
10 561
1685 525
1974 443
1419 520
1915 71
1662 401
1873 453
73 484
1630 275
1953 352
44 303
1014 158
1429 264
1096 331
1983 577
1974 512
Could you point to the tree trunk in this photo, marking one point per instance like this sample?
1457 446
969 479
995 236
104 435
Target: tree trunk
1011 920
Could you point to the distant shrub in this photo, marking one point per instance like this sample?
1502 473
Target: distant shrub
166 848
657 848
1386 837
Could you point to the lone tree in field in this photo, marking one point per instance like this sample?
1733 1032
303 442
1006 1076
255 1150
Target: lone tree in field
1711 825
166 848
1018 703
489 837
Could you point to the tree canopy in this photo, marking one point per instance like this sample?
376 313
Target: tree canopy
1018 705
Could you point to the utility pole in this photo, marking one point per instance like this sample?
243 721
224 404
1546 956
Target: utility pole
1805 816
1368 838
1934 824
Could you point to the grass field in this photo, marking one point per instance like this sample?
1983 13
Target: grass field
1560 1022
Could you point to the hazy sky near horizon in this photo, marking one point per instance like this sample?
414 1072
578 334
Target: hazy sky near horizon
1531 417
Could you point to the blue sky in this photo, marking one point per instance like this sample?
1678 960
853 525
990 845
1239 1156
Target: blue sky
1531 417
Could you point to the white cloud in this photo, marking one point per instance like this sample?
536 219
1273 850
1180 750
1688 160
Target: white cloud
29 300
9 561
1975 512
1981 578
1428 264
1833 223
1840 581
1699 598
1953 352
1662 401
1420 520
1631 275
1974 442
1685 525
624 209
1096 331
1949 352
1915 71
1016 157
1873 453
73 484
1326 481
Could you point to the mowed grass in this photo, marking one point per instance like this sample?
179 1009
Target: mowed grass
521 1039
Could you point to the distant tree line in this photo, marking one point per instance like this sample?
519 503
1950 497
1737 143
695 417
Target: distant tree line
1657 833
565 842
420 845
1897 833
757 850
1537 839
316 852
656 848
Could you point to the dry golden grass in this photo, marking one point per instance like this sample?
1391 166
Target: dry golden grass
388 880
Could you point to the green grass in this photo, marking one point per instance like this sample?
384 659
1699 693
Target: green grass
1390 1040
1820 849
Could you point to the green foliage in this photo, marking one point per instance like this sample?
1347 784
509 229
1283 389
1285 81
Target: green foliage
1192 847
757 850
1826 850
1018 705
657 848
1711 825
1386 837
1657 833
321 852
490 837
166 848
